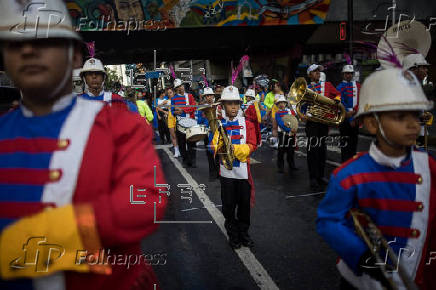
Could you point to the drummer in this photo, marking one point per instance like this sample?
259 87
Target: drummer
187 149
286 136
209 98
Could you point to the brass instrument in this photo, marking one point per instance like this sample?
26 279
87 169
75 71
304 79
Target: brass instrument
226 151
376 243
319 108
290 122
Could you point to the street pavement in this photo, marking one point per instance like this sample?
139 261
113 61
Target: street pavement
288 253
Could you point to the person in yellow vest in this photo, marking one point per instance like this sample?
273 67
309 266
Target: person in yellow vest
144 109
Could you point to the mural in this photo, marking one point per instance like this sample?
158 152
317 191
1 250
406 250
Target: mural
161 14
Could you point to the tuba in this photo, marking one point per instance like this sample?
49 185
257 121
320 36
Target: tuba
226 151
318 107
377 244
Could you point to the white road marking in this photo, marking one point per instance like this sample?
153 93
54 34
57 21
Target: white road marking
254 161
259 274
162 146
303 195
194 208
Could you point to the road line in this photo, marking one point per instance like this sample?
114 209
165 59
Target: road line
259 274
336 164
304 195
194 208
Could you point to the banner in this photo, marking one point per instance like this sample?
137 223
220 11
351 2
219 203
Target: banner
93 15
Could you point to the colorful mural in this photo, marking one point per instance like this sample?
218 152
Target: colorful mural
162 14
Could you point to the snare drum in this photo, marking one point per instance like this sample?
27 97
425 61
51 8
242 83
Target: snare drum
184 123
196 133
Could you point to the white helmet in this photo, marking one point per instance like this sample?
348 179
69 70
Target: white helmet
77 82
93 65
250 93
35 19
208 91
280 98
313 67
392 90
177 83
76 74
230 93
414 60
348 68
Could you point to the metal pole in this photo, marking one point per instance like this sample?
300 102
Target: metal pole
394 7
350 28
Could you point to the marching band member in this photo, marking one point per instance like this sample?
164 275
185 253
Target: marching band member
253 113
94 75
286 136
392 184
171 122
349 129
77 82
209 99
162 116
237 190
66 167
417 64
182 99
317 132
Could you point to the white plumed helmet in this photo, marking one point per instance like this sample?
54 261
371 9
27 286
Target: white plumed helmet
250 93
177 83
35 19
230 93
392 90
412 60
76 74
93 65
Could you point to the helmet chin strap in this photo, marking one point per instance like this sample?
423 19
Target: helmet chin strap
382 132
68 72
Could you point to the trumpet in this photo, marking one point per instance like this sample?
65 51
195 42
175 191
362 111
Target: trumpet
319 108
226 151
377 243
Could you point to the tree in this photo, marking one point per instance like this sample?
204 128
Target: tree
112 80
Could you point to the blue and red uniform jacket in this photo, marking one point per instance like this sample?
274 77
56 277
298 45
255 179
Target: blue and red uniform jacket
324 88
187 99
93 148
349 95
280 123
400 197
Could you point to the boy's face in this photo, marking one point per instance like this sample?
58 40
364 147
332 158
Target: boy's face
400 127
94 80
37 65
281 105
315 75
210 98
348 76
231 108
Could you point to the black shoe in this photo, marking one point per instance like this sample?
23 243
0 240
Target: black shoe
194 165
246 240
185 165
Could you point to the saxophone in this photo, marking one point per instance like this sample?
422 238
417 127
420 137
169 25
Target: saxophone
226 151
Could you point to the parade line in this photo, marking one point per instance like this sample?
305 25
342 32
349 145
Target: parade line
259 274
